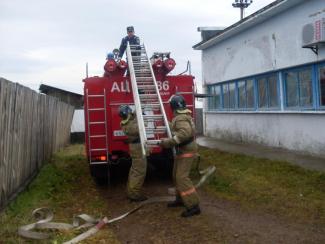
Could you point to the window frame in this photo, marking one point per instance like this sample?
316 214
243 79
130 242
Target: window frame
318 86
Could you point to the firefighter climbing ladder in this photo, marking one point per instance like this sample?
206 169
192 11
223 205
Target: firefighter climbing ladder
146 96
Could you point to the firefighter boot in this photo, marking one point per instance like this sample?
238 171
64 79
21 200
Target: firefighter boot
138 199
177 203
195 210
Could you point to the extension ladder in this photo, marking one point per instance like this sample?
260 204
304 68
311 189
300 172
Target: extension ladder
150 113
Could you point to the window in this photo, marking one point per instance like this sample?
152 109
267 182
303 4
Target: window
246 94
298 86
214 100
250 93
273 96
262 93
322 85
225 91
210 100
268 92
301 88
241 94
229 95
232 95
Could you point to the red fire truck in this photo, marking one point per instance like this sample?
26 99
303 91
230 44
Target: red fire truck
106 145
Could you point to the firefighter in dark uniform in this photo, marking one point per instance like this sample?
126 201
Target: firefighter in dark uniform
183 130
138 168
131 38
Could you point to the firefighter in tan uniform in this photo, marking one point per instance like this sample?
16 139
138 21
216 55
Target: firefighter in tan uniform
183 130
138 168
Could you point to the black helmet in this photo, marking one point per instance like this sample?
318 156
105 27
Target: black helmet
124 111
130 29
177 102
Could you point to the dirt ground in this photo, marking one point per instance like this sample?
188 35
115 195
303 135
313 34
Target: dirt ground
221 221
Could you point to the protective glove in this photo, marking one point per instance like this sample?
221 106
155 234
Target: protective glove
166 143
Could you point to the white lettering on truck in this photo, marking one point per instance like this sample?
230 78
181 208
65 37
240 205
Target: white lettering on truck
120 87
163 87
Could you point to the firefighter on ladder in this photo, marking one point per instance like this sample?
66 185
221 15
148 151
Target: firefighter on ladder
183 131
138 168
131 38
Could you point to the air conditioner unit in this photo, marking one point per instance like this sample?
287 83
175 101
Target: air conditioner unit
313 33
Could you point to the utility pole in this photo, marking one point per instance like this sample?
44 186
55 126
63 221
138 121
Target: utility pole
242 4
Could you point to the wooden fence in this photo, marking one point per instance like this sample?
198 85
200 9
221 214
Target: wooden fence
32 127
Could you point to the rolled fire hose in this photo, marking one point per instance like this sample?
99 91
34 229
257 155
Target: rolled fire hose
45 215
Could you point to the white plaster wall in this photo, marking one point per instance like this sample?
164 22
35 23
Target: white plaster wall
299 132
271 45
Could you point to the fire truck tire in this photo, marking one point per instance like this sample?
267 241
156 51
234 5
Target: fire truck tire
101 174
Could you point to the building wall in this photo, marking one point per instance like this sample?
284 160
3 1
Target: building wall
272 47
298 132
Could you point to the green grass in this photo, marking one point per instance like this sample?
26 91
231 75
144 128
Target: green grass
272 186
63 185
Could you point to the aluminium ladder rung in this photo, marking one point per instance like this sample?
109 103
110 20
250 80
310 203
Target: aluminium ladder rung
151 105
145 72
144 78
140 64
147 99
153 119
153 142
98 149
146 87
139 59
145 83
153 116
98 95
97 122
148 95
159 130
137 51
142 70
96 109
98 136
136 46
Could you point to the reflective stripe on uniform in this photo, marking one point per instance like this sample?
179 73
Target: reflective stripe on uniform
176 139
186 155
188 192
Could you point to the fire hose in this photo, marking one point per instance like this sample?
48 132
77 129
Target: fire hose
45 216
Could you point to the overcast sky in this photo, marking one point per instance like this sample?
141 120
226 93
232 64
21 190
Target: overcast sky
49 42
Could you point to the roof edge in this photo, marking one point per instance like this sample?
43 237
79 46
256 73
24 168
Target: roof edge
257 17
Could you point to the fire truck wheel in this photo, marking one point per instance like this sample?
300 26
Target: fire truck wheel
101 174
